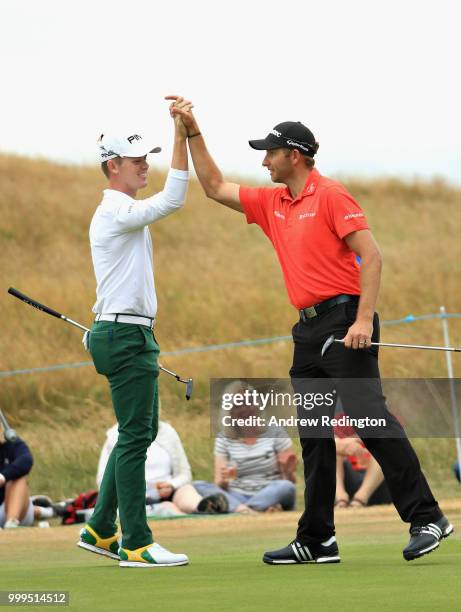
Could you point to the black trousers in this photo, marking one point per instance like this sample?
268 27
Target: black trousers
339 369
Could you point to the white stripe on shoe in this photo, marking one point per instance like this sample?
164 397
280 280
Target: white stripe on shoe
302 554
435 528
297 555
432 530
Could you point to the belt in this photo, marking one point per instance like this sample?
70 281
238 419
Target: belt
318 309
126 318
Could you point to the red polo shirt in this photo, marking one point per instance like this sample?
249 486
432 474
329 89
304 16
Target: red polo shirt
307 233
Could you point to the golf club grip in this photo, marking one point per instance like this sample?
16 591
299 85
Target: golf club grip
34 303
189 389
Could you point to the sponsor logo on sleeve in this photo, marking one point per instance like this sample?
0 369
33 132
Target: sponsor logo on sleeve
353 216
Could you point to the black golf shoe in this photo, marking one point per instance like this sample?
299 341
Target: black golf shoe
295 552
426 538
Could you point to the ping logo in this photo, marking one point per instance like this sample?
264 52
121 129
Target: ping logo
105 153
134 137
276 133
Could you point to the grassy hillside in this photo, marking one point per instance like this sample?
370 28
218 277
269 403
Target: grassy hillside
217 281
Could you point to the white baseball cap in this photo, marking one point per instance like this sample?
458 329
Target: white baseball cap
124 146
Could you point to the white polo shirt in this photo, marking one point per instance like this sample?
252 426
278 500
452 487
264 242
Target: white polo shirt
121 246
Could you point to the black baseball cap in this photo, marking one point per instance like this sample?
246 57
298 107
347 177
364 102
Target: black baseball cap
289 135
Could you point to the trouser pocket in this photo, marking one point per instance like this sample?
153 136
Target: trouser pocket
99 346
114 345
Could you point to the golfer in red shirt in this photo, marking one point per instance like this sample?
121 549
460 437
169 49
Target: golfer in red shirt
317 230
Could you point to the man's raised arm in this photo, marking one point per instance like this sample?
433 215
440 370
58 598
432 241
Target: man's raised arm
208 173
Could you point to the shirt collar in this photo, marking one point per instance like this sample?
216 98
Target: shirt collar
112 196
309 188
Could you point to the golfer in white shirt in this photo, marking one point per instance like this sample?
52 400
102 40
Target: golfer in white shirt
121 341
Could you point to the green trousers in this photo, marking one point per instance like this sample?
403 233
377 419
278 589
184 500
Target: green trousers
127 355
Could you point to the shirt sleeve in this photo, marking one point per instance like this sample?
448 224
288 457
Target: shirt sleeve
20 458
220 446
254 204
182 474
139 213
345 214
282 442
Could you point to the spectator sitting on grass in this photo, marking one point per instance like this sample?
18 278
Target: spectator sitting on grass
16 508
359 478
254 467
168 477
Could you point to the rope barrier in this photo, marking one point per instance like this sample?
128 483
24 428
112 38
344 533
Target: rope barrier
218 347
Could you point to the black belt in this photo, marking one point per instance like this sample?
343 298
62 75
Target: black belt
318 309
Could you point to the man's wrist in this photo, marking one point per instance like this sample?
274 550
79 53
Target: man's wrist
193 129
365 317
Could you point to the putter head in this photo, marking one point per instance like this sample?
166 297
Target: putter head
10 435
328 342
189 384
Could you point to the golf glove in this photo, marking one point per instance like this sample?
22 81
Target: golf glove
86 340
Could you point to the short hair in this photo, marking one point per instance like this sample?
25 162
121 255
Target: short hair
104 167
309 161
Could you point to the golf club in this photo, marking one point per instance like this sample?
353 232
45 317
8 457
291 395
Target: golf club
8 432
21 296
331 340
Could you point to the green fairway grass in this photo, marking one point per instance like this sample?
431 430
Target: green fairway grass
226 572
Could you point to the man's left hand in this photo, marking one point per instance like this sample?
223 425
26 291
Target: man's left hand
359 335
178 107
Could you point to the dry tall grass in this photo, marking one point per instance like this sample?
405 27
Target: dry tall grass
217 280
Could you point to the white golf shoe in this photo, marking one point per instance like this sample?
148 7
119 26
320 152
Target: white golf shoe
152 555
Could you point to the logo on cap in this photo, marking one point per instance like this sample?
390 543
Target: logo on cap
297 145
105 153
276 133
134 137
